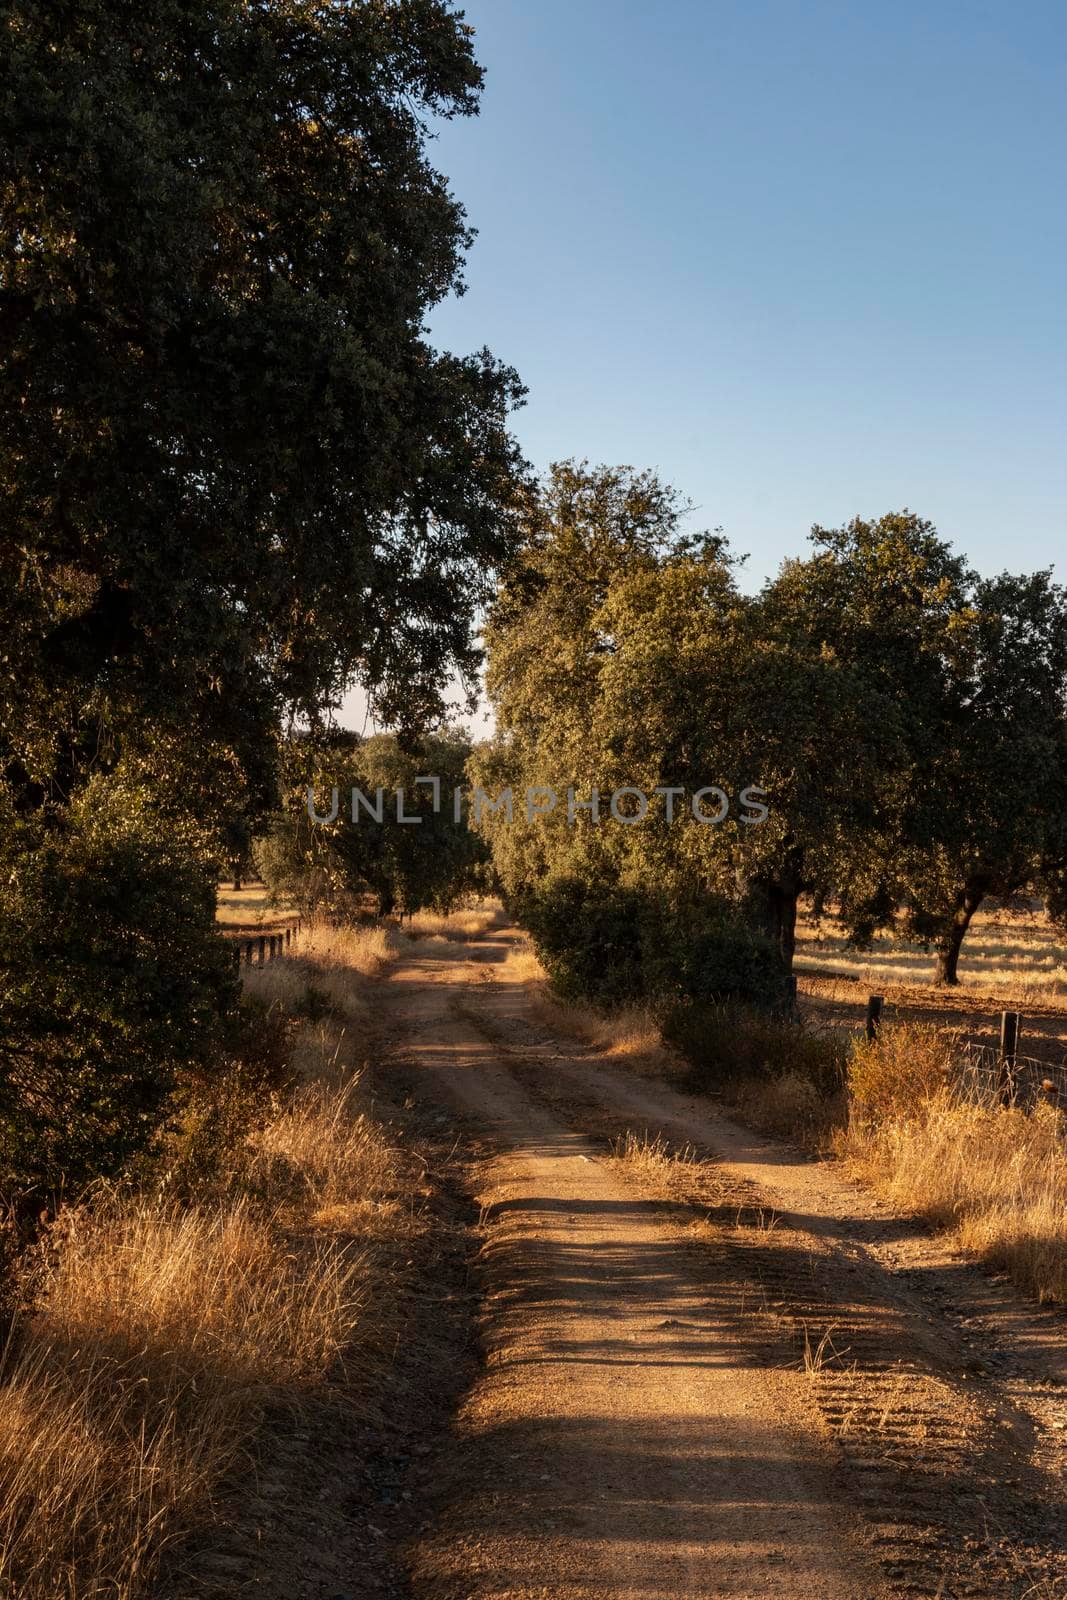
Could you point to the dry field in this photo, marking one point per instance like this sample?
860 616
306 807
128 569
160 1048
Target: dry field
1011 960
250 910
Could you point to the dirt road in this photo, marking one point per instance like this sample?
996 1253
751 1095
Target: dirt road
728 1377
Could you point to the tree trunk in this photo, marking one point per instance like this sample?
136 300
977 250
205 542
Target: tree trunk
237 883
780 917
948 952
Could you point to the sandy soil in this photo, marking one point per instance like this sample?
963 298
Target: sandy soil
734 1377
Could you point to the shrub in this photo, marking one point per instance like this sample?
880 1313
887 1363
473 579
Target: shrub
617 946
589 938
730 1043
892 1077
113 980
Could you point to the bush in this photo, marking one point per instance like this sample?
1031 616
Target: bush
893 1077
113 980
589 939
620 946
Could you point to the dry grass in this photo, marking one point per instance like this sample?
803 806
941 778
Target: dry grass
1015 954
328 967
651 1157
325 1152
462 926
629 1034
521 964
996 1176
250 906
156 1334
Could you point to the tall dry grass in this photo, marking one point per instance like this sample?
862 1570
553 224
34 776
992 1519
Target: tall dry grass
629 1034
156 1333
995 1175
460 926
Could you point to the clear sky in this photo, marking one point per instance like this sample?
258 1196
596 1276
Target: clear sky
807 259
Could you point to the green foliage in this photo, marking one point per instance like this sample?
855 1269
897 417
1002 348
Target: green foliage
236 477
213 1111
621 652
113 982
235 473
405 865
961 753
616 945
589 938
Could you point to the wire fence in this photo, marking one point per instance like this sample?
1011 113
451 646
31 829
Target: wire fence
984 1076
991 1075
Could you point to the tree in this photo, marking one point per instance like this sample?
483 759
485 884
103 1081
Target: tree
405 864
236 475
1002 775
852 650
959 752
615 645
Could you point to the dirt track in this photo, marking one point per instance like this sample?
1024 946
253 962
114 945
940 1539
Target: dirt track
646 1424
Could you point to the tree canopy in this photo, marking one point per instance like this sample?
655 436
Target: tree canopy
236 474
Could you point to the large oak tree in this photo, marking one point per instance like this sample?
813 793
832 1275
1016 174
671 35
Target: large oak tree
235 472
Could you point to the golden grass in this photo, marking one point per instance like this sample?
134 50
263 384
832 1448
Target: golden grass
630 1034
1018 954
521 964
995 1176
462 926
157 1334
651 1157
326 1151
252 904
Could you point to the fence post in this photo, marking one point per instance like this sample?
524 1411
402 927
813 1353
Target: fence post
262 941
288 937
874 1016
1009 1049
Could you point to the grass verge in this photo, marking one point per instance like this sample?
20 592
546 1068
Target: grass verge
157 1324
994 1175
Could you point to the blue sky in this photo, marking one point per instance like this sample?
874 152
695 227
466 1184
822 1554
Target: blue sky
808 260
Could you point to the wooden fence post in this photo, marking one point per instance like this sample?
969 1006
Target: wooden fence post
262 949
1009 1049
874 1016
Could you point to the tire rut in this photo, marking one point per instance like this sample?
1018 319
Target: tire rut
958 1474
